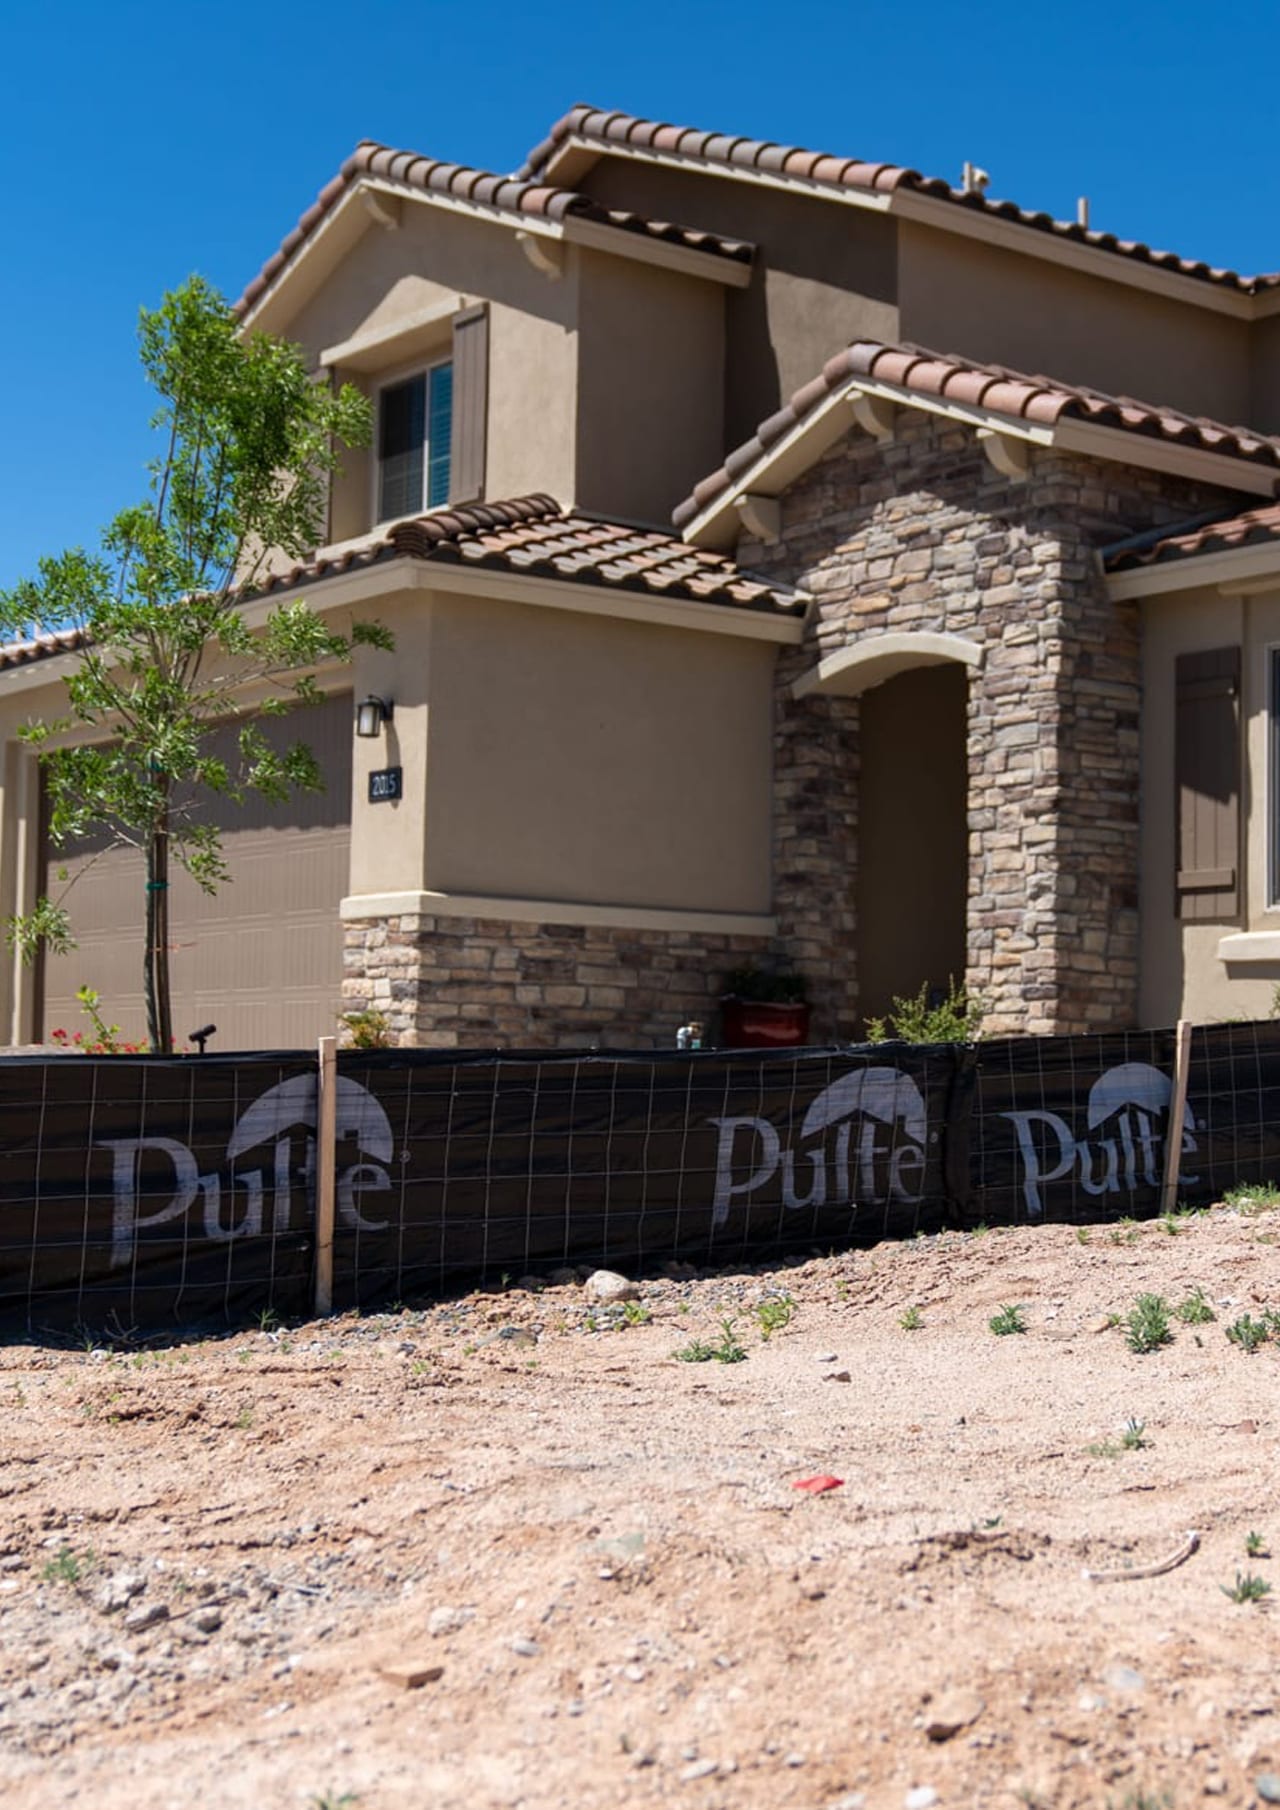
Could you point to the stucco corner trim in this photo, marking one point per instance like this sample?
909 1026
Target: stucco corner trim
876 658
360 906
1251 946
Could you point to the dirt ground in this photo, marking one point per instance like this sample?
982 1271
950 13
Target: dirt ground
212 1553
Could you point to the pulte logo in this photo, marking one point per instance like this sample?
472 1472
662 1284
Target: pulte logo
863 1138
264 1162
1127 1124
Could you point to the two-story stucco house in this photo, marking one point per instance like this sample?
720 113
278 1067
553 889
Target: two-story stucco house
778 571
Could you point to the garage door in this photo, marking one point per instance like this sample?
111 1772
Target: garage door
263 959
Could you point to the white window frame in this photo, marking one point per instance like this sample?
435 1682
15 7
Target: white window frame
392 380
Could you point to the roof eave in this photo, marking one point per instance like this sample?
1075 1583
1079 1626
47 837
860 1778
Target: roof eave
1230 569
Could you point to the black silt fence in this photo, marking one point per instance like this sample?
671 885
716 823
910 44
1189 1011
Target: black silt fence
144 1191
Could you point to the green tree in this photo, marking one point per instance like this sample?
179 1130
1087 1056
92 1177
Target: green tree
170 641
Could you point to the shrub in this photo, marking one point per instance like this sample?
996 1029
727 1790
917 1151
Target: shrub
927 1018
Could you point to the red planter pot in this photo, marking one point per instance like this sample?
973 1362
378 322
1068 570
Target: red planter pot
750 1024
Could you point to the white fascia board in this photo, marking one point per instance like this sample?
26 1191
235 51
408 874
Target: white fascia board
360 906
407 573
1241 564
1122 448
1051 248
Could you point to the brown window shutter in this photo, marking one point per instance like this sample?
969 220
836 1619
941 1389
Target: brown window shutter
470 404
1207 782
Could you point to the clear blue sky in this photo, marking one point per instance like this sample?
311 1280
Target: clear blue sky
142 142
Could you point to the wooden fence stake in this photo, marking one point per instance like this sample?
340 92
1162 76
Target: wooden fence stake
326 1171
1177 1115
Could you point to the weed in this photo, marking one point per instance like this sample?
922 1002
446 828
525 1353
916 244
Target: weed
1248 1333
67 1566
930 1016
244 1420
591 1323
1172 1223
1009 1319
331 1800
1248 1588
1104 1448
980 1230
1123 1232
912 1320
268 1320
774 1314
1132 1439
1255 1546
1252 1197
368 1029
635 1313
1194 1309
1082 1234
842 1288
724 1350
1147 1324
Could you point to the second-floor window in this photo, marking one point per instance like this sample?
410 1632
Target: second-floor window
414 425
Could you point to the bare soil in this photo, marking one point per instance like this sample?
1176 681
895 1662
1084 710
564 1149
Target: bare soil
597 1556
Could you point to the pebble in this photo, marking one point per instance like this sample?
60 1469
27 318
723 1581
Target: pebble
825 1357
852 1800
698 1769
1124 1678
208 1621
1215 1785
608 1286
920 1797
837 1376
526 1649
448 1620
1267 1786
145 1616
951 1712
519 1336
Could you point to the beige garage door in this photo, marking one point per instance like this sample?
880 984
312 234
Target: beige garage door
263 959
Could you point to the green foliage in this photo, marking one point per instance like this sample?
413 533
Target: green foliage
761 987
1248 1588
1147 1324
368 1029
1255 1546
1008 1320
925 1018
1252 1197
1133 1438
774 1314
67 1566
1194 1309
724 1350
250 441
911 1320
635 1313
1248 1333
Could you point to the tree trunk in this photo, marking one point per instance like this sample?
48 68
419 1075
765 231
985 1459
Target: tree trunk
156 977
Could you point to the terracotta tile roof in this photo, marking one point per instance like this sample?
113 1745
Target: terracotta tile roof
509 194
1252 527
1042 400
40 647
534 535
753 154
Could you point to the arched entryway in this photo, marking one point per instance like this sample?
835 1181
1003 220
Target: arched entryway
911 875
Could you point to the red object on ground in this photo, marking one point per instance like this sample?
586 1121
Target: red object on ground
816 1485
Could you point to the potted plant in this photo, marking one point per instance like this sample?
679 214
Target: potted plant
760 1010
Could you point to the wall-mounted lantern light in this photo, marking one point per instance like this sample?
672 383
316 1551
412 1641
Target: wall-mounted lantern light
371 714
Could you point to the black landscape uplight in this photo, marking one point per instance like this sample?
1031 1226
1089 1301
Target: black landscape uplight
202 1036
371 714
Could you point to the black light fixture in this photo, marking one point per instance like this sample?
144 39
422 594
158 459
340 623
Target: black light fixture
371 714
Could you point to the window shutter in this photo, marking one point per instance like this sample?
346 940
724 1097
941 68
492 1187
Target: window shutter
470 404
1207 782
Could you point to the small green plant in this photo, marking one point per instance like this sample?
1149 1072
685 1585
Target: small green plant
67 1566
331 1800
774 1314
1248 1588
1134 1439
930 1016
1194 1309
635 1313
1252 1197
1147 1324
1009 1319
1172 1223
724 1350
244 1420
1255 1546
1103 1448
1248 1333
1082 1234
368 1029
268 1320
912 1320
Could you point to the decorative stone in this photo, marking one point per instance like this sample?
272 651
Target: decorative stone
607 1286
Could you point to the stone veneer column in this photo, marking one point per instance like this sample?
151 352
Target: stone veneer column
446 982
922 533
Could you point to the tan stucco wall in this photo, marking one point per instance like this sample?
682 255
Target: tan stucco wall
958 295
1181 973
604 762
825 275
1264 375
650 386
436 259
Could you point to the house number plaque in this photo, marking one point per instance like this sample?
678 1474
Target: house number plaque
385 784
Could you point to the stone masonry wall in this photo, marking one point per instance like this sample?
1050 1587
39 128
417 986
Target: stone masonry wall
446 982
922 533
